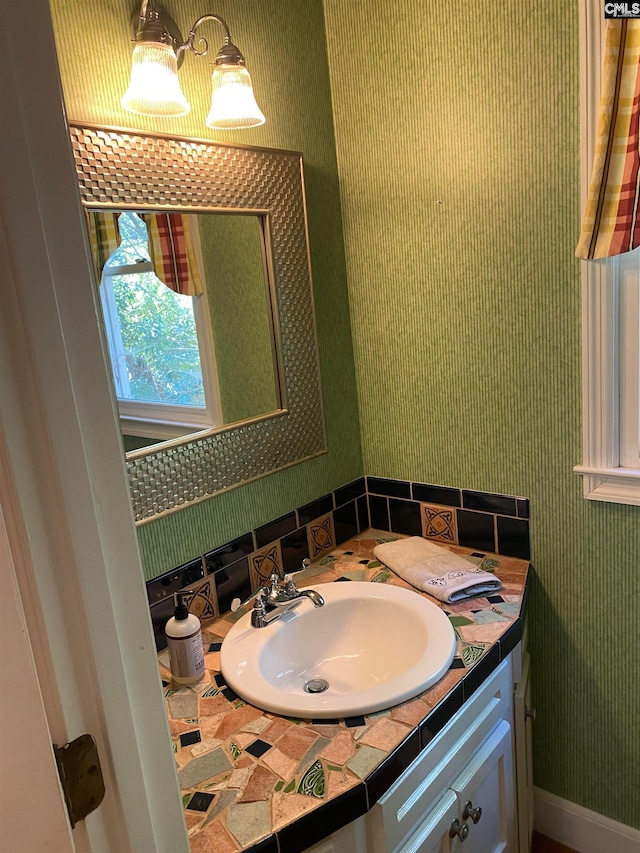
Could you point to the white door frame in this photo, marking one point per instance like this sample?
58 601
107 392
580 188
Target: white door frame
65 499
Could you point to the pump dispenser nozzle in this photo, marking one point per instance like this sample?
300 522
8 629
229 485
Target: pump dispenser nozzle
181 608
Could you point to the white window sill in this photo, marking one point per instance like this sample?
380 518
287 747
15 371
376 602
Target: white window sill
614 485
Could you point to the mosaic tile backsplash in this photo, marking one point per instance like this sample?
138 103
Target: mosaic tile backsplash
489 522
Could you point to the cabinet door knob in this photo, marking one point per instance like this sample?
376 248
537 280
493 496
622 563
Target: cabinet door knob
470 812
531 713
461 830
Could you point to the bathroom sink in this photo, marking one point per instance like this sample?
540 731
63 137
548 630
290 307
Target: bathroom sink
369 647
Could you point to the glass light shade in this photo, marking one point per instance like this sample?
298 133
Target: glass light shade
233 104
154 89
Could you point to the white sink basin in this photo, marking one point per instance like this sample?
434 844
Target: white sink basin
375 645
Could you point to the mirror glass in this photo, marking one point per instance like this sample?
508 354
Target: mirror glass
183 363
241 211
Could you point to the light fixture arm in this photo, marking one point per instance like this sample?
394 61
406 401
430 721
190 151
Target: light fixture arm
228 52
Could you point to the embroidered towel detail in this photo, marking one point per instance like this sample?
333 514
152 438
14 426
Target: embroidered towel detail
435 570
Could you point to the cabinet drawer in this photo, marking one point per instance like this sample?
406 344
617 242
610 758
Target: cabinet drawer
404 806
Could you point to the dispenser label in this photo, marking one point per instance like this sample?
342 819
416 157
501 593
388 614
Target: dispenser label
186 656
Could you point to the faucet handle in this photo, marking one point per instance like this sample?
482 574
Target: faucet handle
236 604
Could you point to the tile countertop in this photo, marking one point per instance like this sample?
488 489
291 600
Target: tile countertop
254 781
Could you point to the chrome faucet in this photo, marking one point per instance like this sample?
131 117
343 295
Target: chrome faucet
278 596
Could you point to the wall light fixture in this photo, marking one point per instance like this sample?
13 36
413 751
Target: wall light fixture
154 88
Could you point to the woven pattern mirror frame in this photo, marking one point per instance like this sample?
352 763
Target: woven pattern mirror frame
119 170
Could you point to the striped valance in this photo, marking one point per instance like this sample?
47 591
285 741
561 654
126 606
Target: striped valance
611 223
170 244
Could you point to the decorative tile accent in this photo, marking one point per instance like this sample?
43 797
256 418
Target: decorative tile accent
472 653
321 536
203 603
312 783
263 563
439 523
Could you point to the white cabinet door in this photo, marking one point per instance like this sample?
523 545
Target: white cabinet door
432 835
487 783
523 725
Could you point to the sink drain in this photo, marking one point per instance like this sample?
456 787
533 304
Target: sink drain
316 685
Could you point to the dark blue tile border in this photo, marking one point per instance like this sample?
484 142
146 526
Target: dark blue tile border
295 549
275 529
312 827
363 513
227 554
267 845
390 505
382 778
170 582
487 502
379 512
350 492
480 671
345 522
390 488
513 537
405 517
437 719
232 582
442 495
476 530
315 509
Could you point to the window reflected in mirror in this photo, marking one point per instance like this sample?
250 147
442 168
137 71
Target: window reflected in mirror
189 320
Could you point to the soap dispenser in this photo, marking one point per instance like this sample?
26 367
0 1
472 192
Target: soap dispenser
184 638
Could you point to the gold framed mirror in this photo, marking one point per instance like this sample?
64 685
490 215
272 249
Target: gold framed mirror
151 175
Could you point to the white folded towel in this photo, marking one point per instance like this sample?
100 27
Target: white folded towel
435 570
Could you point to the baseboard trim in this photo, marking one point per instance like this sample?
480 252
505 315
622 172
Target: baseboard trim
581 829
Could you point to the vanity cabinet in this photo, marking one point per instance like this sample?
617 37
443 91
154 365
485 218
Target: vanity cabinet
459 794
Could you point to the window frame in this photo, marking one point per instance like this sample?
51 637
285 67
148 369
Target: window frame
604 377
164 421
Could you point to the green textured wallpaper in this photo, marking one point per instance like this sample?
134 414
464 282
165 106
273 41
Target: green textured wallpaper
232 253
458 152
285 49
